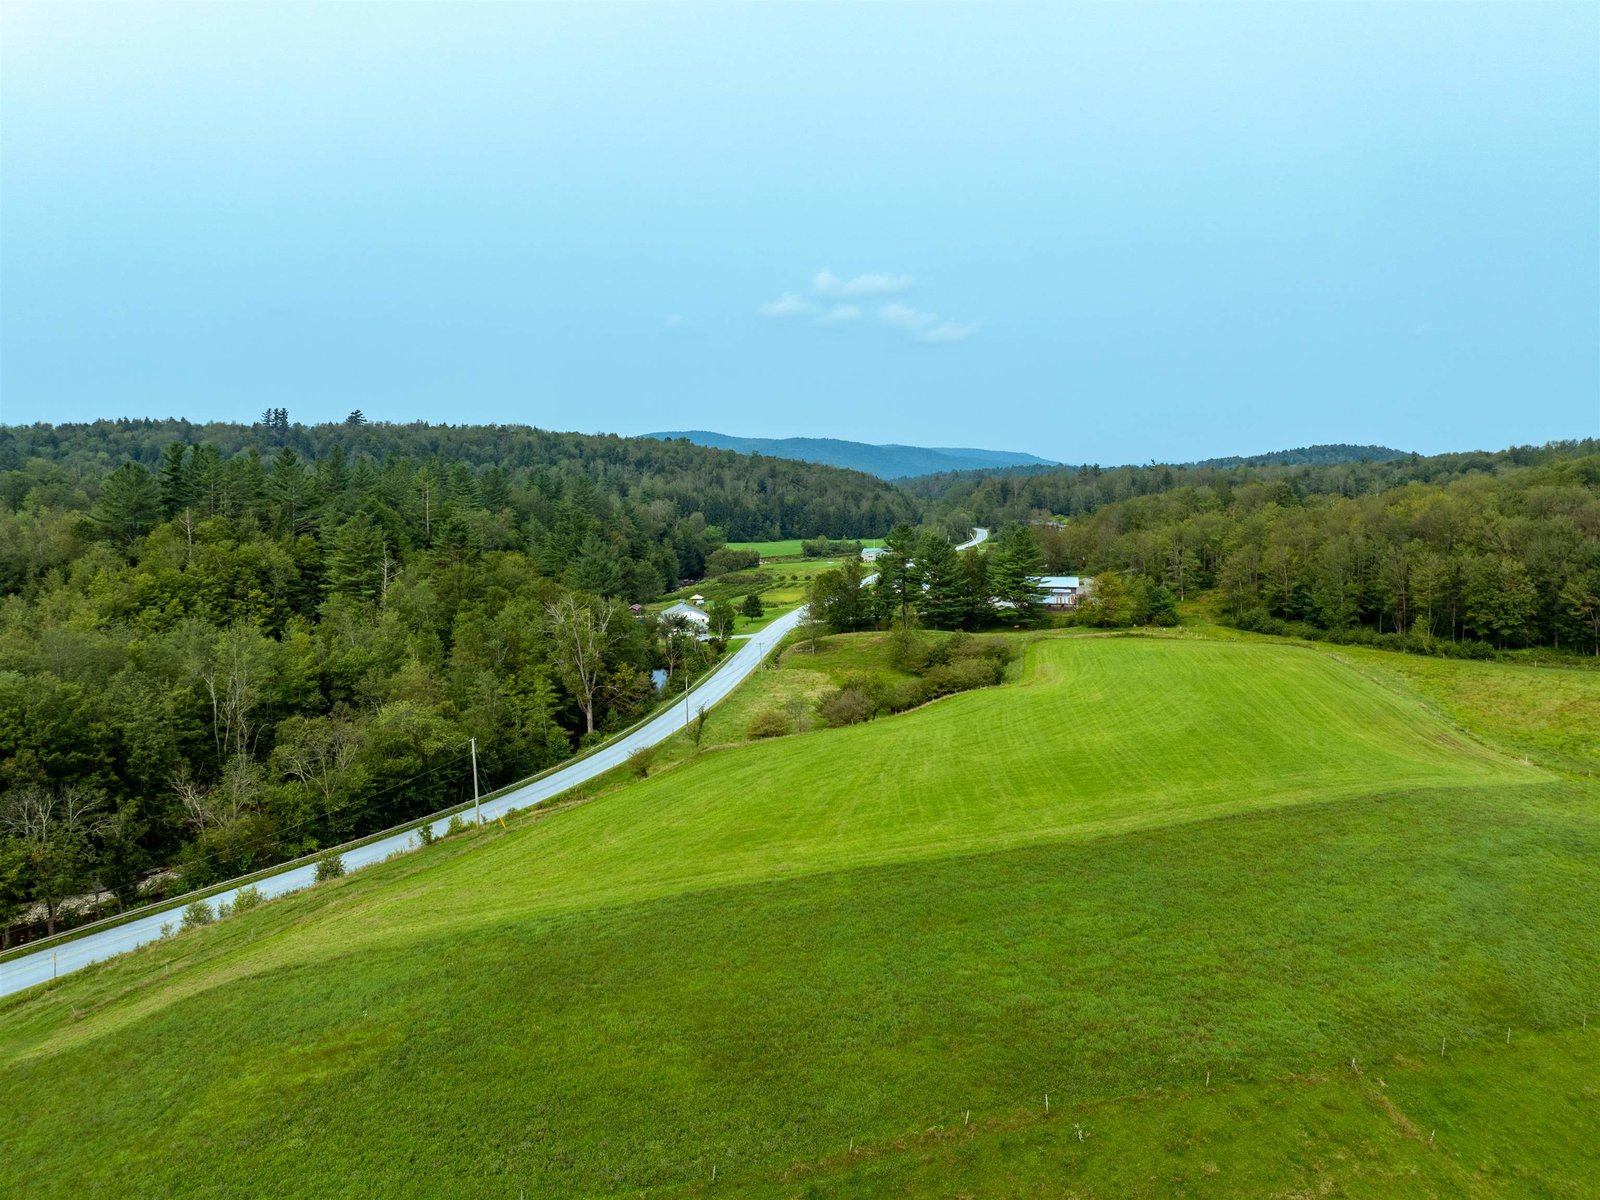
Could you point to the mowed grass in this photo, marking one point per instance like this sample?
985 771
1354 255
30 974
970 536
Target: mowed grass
806 962
790 547
1549 715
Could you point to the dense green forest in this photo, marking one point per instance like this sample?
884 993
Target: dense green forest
221 646
1500 550
748 499
1037 494
1319 455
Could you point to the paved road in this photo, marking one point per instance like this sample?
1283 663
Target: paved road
43 964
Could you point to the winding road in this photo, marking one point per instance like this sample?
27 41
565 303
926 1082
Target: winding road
48 962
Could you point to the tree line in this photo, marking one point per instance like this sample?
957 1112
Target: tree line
1043 493
1502 553
747 498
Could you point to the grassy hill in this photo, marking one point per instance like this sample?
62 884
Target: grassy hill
1178 885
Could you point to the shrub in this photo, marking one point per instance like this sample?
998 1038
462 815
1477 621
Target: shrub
849 705
639 761
167 929
458 824
908 651
902 694
329 866
962 676
726 560
197 914
743 579
769 723
246 898
224 910
425 835
965 646
825 547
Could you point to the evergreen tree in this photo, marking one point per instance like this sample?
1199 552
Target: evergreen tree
177 479
247 484
596 570
290 493
1014 573
896 585
355 569
130 502
332 476
977 598
209 479
936 582
494 489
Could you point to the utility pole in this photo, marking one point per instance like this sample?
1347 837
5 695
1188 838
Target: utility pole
477 813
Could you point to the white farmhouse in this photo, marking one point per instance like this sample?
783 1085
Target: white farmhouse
699 618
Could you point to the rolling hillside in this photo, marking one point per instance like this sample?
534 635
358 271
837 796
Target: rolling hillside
886 462
1220 900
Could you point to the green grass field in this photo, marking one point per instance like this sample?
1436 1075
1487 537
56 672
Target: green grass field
790 547
781 586
1176 884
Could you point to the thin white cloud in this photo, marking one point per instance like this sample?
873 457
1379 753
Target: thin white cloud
927 327
875 283
903 316
826 283
829 304
948 331
789 305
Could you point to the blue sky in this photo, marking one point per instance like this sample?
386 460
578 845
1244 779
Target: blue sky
1097 233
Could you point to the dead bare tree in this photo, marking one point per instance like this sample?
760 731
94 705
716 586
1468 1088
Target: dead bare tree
580 636
221 806
232 677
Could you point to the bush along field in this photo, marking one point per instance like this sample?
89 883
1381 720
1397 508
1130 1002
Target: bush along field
1156 916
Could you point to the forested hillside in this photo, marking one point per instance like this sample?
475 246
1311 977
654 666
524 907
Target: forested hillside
1034 494
1502 549
1319 455
747 499
221 646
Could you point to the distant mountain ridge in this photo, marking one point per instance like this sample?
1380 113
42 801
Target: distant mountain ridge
1324 455
886 462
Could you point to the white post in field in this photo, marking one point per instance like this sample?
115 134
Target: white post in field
477 812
